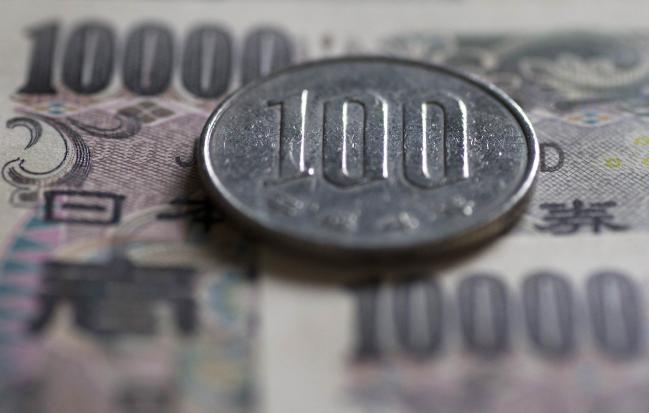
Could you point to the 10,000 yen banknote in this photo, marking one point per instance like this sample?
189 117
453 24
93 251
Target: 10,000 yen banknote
122 289
552 318
507 329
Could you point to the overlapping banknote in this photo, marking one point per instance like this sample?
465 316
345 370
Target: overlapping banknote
122 289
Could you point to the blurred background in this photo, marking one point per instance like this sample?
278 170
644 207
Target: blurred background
124 290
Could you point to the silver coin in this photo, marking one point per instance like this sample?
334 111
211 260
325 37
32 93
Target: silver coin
370 156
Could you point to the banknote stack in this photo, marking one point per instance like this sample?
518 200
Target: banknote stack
125 289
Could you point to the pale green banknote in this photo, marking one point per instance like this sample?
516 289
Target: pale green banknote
122 289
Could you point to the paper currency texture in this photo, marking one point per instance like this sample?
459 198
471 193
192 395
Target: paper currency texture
122 289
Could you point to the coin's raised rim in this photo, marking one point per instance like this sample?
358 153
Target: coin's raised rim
496 221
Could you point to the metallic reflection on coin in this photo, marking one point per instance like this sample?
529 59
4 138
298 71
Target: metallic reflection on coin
369 157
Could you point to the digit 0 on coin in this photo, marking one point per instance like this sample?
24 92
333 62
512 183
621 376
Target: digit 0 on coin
370 157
